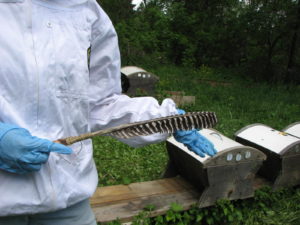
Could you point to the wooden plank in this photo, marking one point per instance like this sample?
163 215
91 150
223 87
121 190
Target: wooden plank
180 99
125 211
183 100
124 202
120 193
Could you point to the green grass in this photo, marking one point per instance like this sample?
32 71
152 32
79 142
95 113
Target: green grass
118 163
237 102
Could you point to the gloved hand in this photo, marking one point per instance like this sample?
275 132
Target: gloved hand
194 141
22 153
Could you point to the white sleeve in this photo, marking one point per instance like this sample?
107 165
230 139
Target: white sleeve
108 107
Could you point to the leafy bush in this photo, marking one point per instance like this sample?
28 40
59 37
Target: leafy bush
259 36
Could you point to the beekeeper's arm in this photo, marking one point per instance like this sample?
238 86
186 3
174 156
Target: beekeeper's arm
108 106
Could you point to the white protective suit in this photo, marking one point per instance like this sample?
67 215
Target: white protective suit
47 88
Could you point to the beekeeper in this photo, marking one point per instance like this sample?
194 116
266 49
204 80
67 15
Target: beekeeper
48 91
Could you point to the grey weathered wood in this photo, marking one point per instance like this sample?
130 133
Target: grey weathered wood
142 85
216 178
281 168
124 202
290 172
180 99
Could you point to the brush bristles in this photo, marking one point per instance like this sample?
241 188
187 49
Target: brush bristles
170 124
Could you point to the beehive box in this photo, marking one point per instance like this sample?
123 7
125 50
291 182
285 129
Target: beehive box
293 129
141 82
282 166
227 175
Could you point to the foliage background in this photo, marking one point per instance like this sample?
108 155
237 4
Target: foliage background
261 37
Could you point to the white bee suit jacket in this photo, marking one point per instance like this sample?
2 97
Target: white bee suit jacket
47 87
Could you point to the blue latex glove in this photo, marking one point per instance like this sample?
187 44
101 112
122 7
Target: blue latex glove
22 153
194 141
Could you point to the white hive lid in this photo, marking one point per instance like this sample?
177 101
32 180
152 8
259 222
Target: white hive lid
222 144
127 70
293 129
267 137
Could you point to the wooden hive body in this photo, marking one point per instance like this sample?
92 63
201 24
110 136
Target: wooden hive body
227 175
141 82
282 166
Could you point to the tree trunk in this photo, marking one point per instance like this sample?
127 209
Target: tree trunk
293 49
